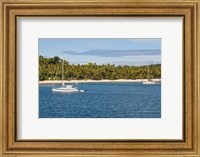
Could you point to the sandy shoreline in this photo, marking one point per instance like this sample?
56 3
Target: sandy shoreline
91 81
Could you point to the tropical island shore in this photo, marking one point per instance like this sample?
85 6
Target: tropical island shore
93 81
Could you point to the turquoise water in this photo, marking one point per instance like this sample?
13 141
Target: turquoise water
102 100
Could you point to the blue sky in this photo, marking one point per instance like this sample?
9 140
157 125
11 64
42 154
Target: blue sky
119 51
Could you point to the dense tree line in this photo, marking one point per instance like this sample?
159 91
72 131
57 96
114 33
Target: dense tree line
51 68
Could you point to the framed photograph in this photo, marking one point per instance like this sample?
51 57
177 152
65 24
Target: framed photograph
101 83
100 78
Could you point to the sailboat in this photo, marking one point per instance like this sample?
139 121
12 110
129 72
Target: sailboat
149 81
69 88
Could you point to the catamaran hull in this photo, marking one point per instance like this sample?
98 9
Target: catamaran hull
65 90
149 83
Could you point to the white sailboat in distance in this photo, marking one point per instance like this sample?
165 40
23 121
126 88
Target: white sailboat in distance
149 81
69 88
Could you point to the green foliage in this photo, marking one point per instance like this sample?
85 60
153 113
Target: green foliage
51 68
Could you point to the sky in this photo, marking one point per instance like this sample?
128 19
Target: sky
118 51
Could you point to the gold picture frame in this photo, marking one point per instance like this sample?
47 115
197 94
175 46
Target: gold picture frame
13 9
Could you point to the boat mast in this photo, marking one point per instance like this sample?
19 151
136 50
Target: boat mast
62 71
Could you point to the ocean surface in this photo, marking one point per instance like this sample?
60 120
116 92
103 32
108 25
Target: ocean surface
102 100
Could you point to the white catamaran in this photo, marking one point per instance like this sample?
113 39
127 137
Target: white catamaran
149 81
69 88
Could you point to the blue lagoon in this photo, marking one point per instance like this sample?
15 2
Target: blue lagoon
102 100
